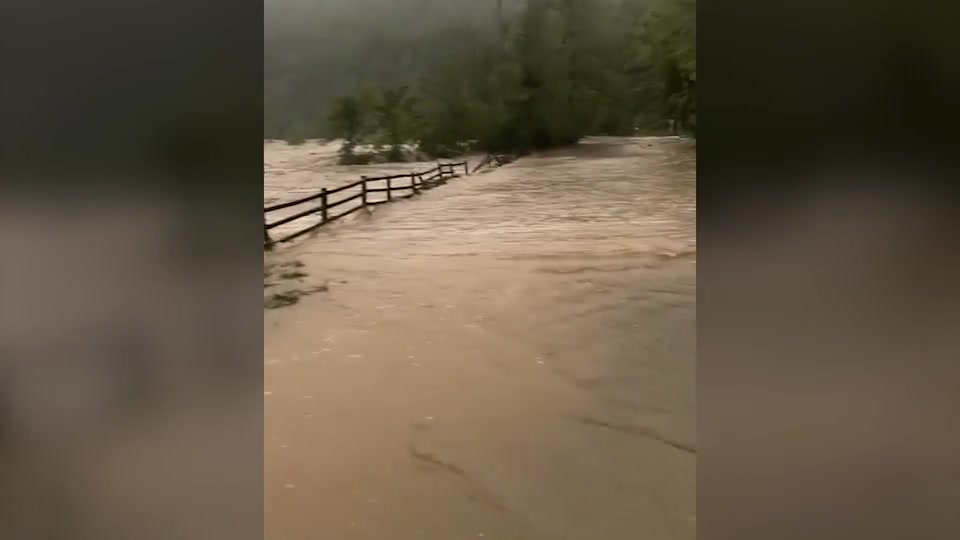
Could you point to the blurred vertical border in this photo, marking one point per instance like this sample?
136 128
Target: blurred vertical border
828 291
130 284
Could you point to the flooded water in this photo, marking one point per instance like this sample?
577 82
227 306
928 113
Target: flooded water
509 356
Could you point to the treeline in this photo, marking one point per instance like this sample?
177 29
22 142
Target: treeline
544 73
561 70
317 50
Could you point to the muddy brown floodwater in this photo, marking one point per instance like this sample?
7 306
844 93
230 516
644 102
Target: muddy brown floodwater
508 356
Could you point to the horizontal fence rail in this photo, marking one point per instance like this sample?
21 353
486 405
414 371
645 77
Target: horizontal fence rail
393 187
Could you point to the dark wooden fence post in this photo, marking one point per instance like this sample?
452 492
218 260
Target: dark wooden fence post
363 190
389 189
413 182
466 169
323 205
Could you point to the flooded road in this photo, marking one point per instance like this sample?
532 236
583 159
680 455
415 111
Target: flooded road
508 356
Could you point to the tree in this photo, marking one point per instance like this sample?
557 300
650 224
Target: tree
561 70
667 60
347 118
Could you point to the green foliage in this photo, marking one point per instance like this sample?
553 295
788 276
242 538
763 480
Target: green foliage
666 36
552 73
316 50
347 119
394 119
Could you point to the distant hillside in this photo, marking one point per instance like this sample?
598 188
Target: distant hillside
315 50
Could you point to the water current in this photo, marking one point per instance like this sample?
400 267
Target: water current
508 356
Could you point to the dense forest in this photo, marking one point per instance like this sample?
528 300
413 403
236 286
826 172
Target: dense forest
446 76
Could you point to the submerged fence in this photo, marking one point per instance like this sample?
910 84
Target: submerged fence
384 188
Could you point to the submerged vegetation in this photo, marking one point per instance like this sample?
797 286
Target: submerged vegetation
537 74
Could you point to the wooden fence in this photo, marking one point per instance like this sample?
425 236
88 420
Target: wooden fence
385 189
